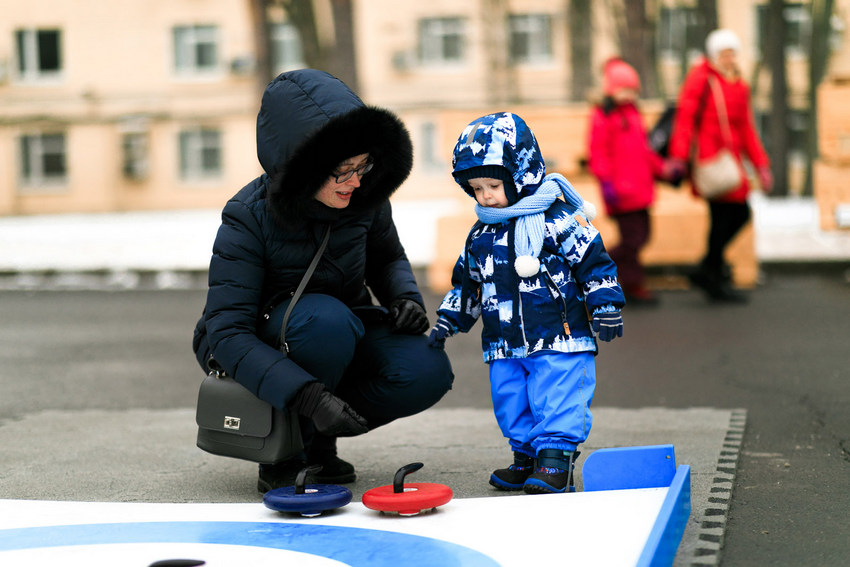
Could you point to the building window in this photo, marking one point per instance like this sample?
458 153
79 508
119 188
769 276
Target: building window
286 48
428 141
134 146
798 28
530 38
43 159
39 53
797 122
441 41
195 49
679 33
200 154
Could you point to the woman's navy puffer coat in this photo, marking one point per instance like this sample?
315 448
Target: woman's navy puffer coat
308 123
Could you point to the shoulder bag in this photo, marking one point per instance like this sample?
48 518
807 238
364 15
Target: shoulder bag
661 132
233 422
715 176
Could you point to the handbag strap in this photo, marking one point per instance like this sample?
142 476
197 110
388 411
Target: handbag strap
720 103
300 289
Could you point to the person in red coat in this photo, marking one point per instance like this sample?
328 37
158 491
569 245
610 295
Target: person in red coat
620 157
699 124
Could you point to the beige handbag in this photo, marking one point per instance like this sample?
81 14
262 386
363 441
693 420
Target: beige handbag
721 173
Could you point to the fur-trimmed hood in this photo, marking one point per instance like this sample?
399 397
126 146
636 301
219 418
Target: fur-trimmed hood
309 122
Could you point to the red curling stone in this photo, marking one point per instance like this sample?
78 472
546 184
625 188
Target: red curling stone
309 500
407 499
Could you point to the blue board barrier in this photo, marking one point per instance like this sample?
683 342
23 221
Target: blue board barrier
626 468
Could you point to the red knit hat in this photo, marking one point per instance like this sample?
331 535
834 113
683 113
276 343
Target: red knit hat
617 74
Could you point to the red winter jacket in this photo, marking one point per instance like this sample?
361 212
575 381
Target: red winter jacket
620 157
696 103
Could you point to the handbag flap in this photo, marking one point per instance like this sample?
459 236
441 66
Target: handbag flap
227 406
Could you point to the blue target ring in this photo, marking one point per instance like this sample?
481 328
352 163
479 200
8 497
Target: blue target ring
358 547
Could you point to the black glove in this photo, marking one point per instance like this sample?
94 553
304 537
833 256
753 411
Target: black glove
408 317
331 416
608 325
441 331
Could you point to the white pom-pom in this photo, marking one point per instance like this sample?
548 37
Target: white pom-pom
526 266
589 210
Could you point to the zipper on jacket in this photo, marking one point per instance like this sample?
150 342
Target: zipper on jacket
556 294
522 323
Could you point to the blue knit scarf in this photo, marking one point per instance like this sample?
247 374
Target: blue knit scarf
528 211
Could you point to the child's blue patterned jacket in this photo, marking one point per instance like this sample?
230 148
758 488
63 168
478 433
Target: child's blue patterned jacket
550 310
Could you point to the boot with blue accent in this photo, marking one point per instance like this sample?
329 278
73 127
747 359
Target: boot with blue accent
554 472
513 477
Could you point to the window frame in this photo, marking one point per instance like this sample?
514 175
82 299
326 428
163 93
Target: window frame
192 144
676 25
286 50
135 156
536 29
797 126
434 36
188 41
33 154
795 14
30 57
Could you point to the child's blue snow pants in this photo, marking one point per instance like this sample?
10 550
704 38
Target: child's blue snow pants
543 401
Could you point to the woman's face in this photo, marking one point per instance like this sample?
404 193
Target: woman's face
337 194
727 61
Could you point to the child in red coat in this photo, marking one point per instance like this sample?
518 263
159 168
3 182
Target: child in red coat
626 167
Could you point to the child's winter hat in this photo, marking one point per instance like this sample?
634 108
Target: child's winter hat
491 171
720 40
502 146
501 139
617 74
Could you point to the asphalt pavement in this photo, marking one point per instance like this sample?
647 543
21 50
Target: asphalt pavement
98 382
98 391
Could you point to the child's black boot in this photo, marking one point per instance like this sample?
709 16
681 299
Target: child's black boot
554 472
513 477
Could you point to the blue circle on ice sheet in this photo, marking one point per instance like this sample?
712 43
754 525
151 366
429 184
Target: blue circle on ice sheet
353 546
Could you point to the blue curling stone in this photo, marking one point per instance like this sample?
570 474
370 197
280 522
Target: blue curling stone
315 499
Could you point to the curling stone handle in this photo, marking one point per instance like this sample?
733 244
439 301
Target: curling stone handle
398 481
301 477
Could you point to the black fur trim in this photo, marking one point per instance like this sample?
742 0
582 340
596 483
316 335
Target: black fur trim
366 129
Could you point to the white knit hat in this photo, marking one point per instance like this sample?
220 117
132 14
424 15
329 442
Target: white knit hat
720 40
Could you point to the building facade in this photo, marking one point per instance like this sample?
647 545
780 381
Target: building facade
151 104
136 105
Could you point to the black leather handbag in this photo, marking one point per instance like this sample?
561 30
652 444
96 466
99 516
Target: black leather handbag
233 422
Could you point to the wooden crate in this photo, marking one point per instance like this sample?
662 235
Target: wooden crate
834 122
831 191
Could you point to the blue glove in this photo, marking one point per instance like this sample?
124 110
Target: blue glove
608 325
441 331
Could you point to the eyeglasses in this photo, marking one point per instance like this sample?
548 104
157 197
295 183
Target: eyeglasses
360 171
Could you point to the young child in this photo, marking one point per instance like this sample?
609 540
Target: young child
535 270
621 159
